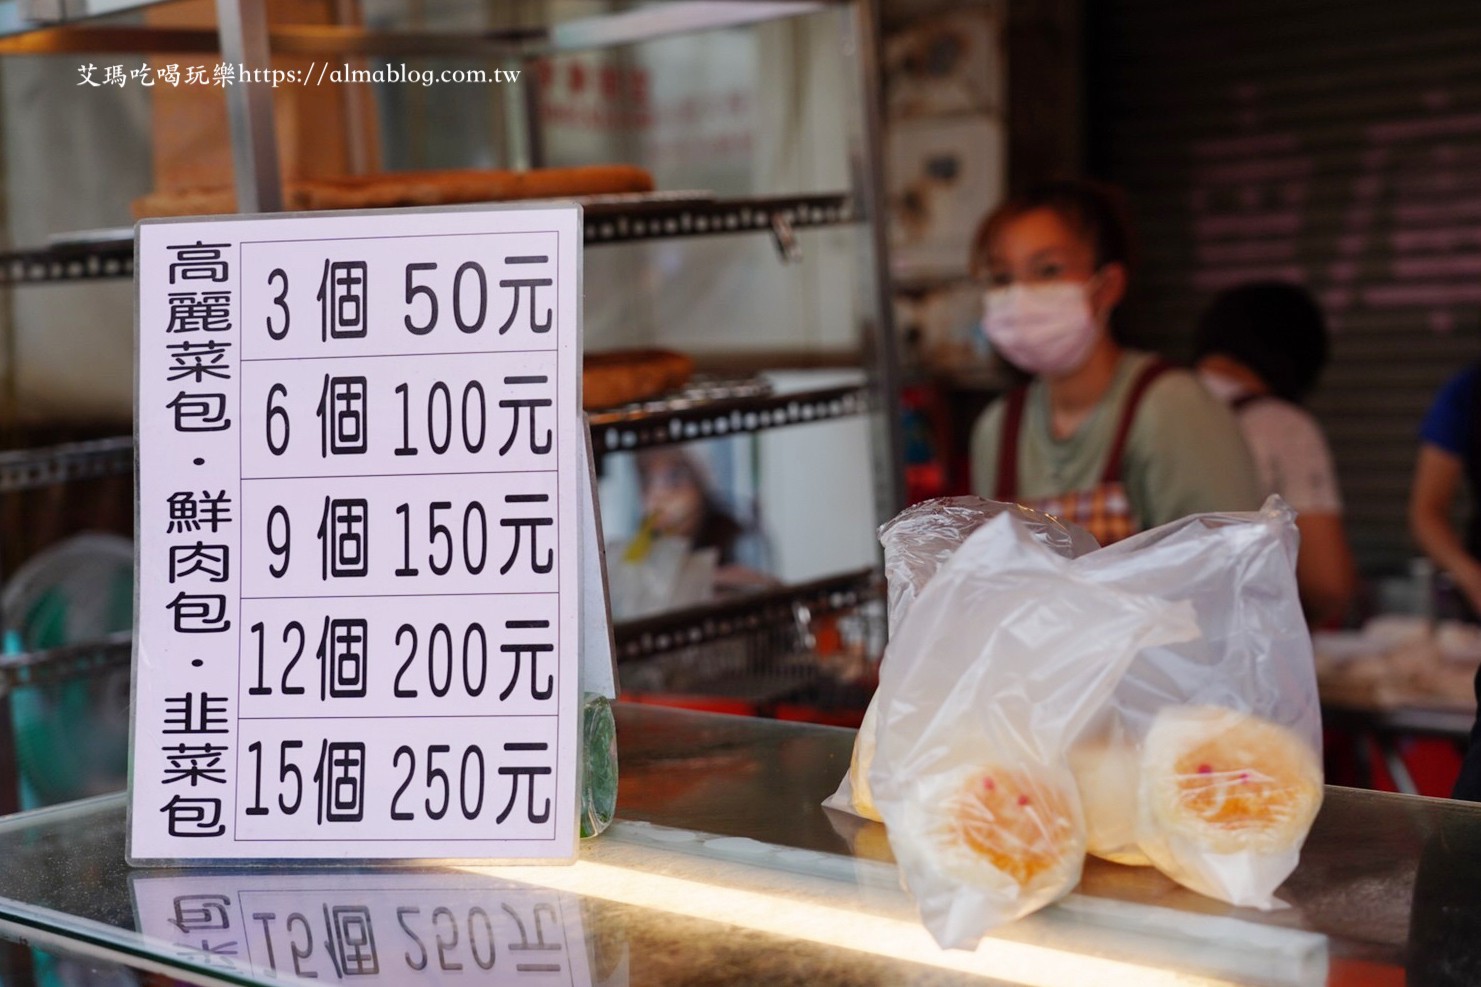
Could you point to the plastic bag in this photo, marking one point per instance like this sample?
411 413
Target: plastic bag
920 538
917 542
1207 762
1000 662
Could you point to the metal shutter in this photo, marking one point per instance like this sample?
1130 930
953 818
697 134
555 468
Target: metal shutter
1336 142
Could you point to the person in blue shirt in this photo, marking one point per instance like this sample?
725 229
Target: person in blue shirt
1450 455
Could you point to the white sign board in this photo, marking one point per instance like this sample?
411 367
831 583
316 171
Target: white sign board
384 928
360 458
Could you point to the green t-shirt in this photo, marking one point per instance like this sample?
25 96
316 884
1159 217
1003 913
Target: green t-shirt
1184 455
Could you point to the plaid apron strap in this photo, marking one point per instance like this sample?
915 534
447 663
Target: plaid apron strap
1139 387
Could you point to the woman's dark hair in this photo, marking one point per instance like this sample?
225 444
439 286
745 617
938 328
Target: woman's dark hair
1096 211
1273 327
718 528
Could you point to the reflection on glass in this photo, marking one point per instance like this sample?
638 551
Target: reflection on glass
29 965
393 928
685 521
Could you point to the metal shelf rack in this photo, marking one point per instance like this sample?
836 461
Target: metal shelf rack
662 219
96 260
663 423
49 26
58 664
110 254
723 619
653 423
28 469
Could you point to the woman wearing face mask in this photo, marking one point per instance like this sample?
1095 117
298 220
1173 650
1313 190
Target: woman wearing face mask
1112 439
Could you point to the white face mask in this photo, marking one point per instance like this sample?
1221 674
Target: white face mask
1046 329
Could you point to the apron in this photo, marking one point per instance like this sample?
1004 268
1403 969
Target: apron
1103 510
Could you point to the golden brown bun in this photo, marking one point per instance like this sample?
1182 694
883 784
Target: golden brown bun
858 768
410 188
620 377
1229 782
994 827
1106 775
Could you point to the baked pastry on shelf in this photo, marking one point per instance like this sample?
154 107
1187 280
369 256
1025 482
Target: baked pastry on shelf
616 377
410 188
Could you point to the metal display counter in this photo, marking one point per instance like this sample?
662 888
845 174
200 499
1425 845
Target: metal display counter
724 869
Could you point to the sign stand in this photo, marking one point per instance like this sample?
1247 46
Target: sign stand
598 650
368 549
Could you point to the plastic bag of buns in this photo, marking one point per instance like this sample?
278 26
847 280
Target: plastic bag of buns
920 538
1002 659
916 543
1207 761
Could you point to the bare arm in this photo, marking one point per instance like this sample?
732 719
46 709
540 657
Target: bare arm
1437 479
1325 573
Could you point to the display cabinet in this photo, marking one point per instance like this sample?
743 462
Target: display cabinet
772 630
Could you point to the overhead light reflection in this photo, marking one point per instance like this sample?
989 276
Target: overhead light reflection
1013 962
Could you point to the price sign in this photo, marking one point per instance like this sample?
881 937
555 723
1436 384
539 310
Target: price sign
360 461
387 928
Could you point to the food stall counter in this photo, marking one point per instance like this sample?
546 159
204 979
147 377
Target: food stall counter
723 868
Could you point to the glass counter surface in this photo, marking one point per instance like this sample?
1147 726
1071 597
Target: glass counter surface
724 869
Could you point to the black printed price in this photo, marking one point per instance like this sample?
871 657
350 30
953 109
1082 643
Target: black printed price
437 783
445 418
439 661
442 547
452 540
470 298
467 291
472 419
431 291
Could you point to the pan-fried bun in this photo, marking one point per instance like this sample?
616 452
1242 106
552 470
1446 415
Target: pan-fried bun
1229 782
858 768
996 827
1106 774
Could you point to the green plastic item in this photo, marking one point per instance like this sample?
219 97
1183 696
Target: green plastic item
598 764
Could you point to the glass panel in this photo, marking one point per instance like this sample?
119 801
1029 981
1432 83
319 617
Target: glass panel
724 867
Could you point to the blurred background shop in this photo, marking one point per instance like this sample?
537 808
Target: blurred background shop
1329 144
